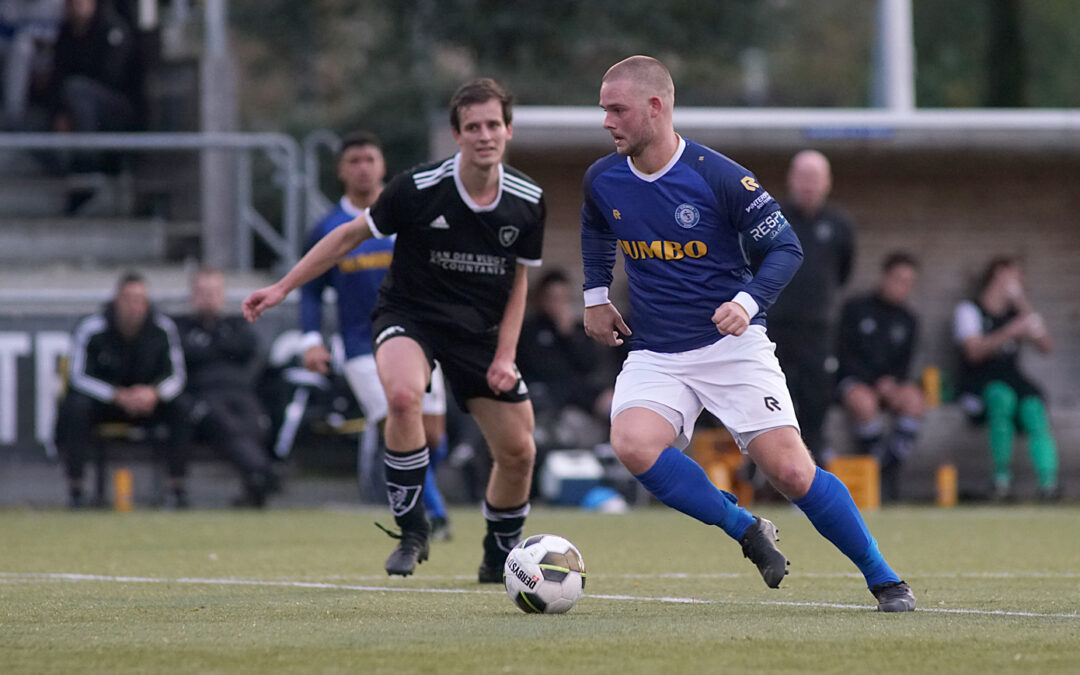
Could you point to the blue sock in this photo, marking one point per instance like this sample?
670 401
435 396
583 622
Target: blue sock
678 481
830 508
433 499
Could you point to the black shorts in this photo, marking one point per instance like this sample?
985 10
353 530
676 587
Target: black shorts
464 357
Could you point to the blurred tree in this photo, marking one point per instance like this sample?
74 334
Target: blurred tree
997 53
1006 65
389 65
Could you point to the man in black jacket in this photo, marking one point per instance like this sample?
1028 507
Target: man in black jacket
220 398
96 83
878 334
801 320
564 369
126 365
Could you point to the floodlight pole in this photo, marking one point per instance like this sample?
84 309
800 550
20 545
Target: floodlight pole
218 114
894 67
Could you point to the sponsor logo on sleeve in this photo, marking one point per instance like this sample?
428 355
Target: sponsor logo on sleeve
774 224
749 183
761 200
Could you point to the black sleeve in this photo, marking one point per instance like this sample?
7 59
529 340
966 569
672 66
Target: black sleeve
531 246
846 253
391 210
901 366
848 351
117 69
237 339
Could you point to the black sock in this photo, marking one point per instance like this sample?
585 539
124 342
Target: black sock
504 530
405 474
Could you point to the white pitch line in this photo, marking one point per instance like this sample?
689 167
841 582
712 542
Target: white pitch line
44 577
749 575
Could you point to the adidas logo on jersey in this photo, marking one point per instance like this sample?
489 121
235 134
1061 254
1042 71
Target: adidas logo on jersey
439 224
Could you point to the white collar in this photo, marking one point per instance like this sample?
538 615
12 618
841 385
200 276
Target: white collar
657 175
465 193
350 208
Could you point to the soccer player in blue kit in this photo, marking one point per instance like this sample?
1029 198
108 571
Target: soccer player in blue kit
683 216
356 280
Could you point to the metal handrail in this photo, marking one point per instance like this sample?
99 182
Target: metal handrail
316 204
282 150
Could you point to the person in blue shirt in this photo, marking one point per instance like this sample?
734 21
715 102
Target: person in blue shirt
687 219
356 280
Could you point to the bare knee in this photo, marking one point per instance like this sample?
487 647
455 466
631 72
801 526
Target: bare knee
403 402
637 445
794 481
783 458
910 401
517 456
861 403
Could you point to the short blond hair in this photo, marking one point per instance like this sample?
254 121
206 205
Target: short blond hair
652 76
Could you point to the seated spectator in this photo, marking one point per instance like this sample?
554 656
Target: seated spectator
990 330
568 374
220 399
28 30
127 366
96 85
877 338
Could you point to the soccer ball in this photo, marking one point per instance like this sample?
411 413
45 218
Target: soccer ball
544 574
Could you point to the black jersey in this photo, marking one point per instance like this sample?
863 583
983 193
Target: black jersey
971 319
455 261
828 244
876 339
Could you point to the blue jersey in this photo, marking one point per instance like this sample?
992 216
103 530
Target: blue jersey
685 232
356 278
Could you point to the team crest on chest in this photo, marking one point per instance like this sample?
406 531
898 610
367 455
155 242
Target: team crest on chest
687 216
508 234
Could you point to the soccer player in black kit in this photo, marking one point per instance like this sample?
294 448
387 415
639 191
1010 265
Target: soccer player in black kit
467 227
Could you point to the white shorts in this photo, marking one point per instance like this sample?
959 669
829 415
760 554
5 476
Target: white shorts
364 381
737 379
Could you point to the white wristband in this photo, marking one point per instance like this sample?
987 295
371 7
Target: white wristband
748 303
310 339
596 296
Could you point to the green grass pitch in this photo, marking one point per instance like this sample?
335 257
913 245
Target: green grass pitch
303 591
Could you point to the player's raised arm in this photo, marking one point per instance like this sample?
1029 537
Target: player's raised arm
330 249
